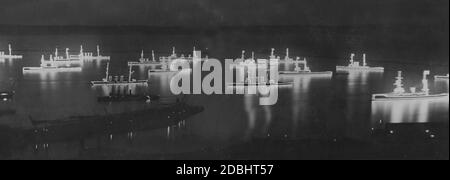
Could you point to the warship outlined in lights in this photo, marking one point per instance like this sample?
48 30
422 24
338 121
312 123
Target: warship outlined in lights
57 64
399 92
305 71
356 66
145 61
118 80
265 80
9 55
90 56
440 77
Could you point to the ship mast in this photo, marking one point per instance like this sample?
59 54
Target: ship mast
81 50
243 55
107 71
10 49
129 74
98 51
67 53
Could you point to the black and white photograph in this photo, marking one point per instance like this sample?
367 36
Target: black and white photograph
253 81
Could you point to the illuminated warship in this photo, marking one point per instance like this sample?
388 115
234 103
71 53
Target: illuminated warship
56 64
9 55
399 92
356 66
302 68
118 80
440 77
248 67
90 56
145 61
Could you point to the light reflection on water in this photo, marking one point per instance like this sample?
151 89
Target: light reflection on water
313 107
412 111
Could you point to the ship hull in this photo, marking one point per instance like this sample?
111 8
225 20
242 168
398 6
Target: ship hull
127 98
305 73
119 83
258 84
150 63
51 69
347 68
88 58
392 97
11 57
441 77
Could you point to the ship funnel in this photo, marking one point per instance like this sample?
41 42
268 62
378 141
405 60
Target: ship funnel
425 81
98 50
153 55
287 53
10 49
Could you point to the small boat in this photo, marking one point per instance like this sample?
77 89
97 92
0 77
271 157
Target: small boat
399 92
440 77
305 71
145 61
7 95
9 55
355 66
118 80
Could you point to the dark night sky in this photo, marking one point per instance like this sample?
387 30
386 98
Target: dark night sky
223 12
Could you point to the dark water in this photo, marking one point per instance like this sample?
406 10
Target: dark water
318 118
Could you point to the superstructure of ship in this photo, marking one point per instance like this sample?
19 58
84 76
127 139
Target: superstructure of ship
118 80
3 55
356 66
400 93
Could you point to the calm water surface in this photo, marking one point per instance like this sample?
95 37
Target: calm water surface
315 109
